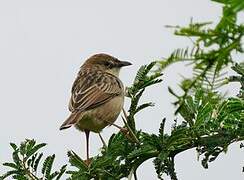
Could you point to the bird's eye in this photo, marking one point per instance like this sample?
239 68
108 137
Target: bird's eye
108 64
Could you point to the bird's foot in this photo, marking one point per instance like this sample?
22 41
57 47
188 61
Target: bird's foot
125 131
127 134
88 161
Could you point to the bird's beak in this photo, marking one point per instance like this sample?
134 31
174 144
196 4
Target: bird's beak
124 63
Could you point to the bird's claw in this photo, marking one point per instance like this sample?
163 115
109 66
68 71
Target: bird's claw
88 161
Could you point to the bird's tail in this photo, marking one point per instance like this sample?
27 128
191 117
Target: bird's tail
71 120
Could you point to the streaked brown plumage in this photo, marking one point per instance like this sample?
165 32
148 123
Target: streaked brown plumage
97 95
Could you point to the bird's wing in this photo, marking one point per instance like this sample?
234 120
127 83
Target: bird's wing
92 89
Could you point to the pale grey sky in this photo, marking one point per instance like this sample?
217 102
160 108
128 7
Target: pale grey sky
42 45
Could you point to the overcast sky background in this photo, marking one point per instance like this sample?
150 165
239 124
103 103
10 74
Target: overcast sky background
42 45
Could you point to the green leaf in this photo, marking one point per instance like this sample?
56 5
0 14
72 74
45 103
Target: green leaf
76 161
47 166
12 165
61 172
36 162
9 173
16 158
204 113
14 146
34 149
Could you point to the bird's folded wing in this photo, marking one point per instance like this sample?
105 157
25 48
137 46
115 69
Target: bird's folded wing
93 89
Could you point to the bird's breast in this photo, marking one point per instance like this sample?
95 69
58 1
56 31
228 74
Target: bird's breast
98 118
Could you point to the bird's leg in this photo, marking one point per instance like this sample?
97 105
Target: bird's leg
125 131
122 129
104 144
87 132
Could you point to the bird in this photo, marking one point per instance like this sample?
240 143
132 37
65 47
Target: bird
97 96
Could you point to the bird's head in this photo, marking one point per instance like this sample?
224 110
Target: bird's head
106 63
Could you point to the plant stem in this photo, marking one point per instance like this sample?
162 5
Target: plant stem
30 175
135 176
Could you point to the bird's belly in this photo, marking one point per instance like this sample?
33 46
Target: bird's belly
98 118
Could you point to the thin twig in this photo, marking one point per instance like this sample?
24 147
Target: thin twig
125 120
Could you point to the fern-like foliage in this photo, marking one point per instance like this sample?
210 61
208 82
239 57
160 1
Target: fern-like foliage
145 77
239 69
234 5
211 123
211 51
27 160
